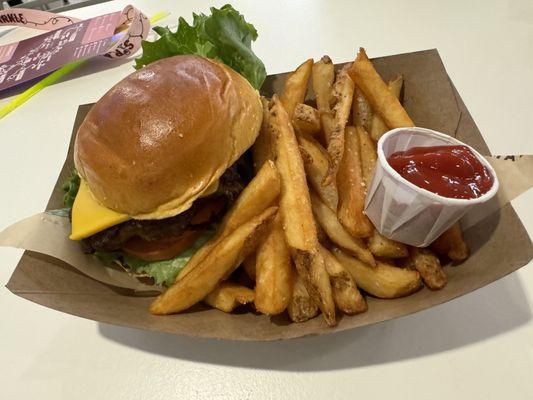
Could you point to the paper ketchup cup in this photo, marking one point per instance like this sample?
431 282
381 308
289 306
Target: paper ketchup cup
404 212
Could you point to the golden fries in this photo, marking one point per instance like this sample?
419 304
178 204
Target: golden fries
306 120
351 189
428 264
345 293
273 272
378 244
384 247
228 296
301 307
361 110
312 268
271 265
378 126
296 87
451 244
376 92
262 192
343 96
395 86
317 161
313 250
385 281
295 205
222 259
262 149
296 215
369 156
328 221
323 77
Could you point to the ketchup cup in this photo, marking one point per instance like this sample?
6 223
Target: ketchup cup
404 212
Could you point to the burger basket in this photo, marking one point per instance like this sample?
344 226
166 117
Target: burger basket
499 243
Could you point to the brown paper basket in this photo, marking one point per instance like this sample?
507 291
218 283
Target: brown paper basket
499 243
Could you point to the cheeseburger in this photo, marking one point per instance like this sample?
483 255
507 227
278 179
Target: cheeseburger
161 158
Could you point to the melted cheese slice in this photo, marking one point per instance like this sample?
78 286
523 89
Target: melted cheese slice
89 216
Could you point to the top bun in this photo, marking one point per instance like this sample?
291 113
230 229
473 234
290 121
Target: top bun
162 136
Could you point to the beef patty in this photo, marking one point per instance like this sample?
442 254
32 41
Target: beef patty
231 183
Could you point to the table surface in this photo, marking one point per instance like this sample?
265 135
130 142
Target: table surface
478 347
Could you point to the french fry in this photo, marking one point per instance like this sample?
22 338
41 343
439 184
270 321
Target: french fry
228 296
327 121
345 293
262 149
428 264
385 281
270 266
311 266
361 110
323 76
376 92
451 244
223 258
378 244
378 126
317 163
261 193
368 156
351 189
321 234
301 307
249 266
395 86
294 203
296 214
382 246
296 87
306 120
328 221
343 96
273 272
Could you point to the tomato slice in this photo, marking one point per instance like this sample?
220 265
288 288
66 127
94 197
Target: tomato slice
158 250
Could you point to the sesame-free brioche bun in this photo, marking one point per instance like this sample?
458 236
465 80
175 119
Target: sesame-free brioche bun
162 136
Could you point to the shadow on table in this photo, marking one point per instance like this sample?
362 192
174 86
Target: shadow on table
496 309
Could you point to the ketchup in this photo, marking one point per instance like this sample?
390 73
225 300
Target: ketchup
449 171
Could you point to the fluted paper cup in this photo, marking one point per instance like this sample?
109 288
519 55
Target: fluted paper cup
405 212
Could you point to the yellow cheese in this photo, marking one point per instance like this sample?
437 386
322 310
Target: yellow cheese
89 216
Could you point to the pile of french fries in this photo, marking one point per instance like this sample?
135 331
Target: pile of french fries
299 229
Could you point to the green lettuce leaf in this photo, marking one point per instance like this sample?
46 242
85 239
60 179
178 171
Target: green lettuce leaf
224 35
71 187
60 212
163 272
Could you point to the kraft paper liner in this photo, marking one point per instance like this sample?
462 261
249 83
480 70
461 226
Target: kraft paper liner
29 233
516 177
499 242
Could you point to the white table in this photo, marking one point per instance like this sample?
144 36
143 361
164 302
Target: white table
477 347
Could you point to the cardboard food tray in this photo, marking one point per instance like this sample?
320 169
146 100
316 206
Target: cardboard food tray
499 243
